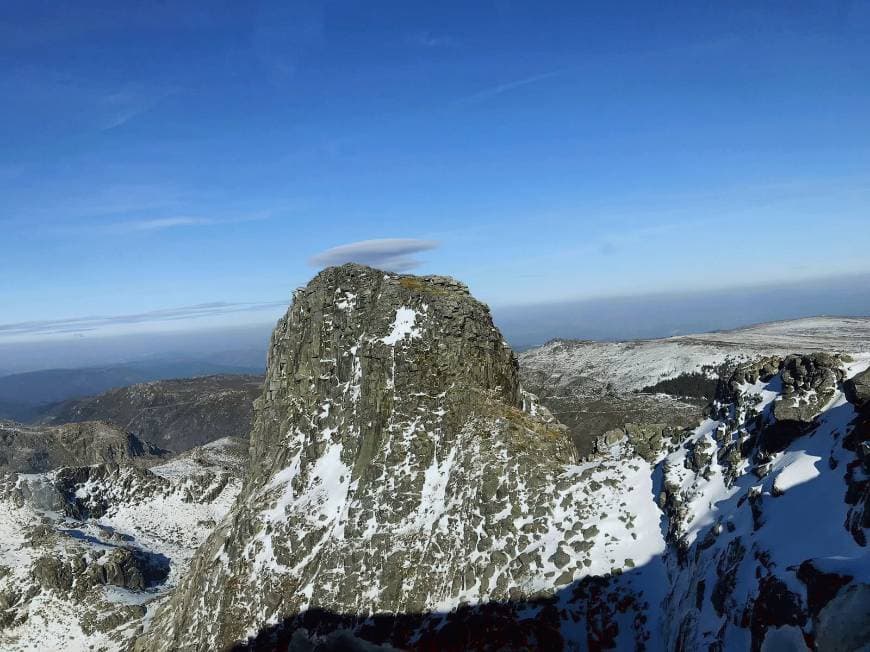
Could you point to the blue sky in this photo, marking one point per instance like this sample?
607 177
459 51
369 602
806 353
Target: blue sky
158 156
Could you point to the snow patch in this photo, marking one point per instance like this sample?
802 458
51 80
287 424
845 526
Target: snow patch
799 468
403 326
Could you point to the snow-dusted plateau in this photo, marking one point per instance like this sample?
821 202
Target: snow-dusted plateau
410 483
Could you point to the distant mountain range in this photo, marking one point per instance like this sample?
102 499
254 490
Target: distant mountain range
24 396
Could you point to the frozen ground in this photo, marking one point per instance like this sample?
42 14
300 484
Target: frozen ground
593 387
164 514
634 365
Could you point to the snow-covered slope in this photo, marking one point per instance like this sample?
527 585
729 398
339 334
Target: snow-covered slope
638 364
767 531
86 553
593 387
764 523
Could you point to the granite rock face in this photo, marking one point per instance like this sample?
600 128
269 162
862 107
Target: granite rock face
396 467
844 623
804 384
809 381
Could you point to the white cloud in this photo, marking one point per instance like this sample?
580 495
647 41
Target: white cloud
164 223
394 254
99 323
493 91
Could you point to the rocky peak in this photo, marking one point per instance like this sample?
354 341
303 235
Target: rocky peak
359 341
393 469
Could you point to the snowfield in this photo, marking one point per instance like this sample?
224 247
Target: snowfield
634 365
167 513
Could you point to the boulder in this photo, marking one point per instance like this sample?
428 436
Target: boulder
857 390
53 574
129 568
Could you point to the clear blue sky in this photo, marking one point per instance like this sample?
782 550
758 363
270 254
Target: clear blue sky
155 156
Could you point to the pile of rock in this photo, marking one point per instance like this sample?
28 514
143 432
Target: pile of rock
644 440
808 383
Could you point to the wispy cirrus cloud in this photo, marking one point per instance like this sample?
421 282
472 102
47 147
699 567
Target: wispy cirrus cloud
178 221
493 91
102 322
394 254
122 106
161 223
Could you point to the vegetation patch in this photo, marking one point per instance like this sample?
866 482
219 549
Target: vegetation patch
414 284
693 385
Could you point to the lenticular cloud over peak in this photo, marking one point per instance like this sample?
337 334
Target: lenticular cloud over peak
394 254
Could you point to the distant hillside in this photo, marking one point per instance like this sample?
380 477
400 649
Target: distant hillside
175 414
593 387
24 395
36 449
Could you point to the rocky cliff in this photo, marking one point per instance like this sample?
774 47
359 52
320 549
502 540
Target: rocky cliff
403 491
396 468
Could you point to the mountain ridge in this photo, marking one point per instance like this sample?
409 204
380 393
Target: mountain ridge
26 395
177 414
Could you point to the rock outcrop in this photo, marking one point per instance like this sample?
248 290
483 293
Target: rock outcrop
396 468
644 440
808 382
803 384
35 449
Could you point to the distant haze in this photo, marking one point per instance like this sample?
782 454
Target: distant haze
615 318
234 347
664 315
